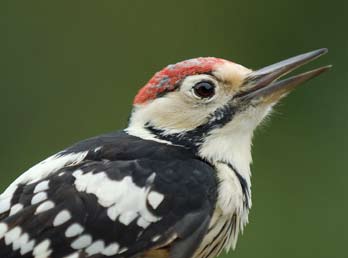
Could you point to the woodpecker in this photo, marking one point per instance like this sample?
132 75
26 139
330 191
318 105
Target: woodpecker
174 184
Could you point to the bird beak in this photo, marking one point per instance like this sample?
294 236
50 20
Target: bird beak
263 85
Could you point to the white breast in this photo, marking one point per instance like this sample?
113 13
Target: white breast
230 215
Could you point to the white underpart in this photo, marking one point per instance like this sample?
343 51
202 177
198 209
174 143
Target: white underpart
123 199
232 145
214 233
230 191
230 201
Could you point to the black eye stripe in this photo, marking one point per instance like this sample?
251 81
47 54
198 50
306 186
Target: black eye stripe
204 89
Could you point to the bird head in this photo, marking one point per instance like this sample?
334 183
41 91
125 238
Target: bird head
213 102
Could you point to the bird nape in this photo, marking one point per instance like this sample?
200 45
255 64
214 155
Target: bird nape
174 184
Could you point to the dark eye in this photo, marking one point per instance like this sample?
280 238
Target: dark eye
204 89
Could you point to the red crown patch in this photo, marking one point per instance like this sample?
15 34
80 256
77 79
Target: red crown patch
167 79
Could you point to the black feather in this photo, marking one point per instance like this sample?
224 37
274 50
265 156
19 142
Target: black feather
188 184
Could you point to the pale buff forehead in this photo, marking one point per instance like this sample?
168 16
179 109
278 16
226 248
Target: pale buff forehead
231 74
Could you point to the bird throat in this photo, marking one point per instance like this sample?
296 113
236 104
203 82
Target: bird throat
194 138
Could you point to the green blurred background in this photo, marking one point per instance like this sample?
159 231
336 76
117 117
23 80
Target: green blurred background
69 70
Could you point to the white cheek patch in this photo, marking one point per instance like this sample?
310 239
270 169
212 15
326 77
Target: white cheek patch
123 199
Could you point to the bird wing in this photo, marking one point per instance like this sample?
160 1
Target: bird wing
98 205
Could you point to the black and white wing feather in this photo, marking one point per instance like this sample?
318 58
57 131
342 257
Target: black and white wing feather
111 196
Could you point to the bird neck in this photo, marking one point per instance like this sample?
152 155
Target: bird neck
229 145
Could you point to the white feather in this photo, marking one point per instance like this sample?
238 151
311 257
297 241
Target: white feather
123 199
43 169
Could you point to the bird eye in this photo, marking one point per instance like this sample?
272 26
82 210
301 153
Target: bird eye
204 89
